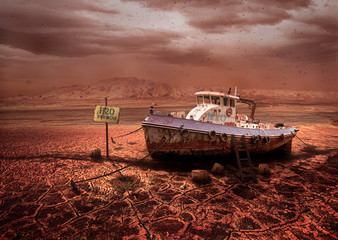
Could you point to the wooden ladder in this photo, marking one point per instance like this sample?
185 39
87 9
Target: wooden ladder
243 158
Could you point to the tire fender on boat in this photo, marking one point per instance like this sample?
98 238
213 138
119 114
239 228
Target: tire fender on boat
212 134
259 138
185 133
266 139
282 136
253 139
223 137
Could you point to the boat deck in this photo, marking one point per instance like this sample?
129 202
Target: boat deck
169 122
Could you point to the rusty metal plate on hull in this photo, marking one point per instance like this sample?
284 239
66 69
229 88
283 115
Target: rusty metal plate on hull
201 144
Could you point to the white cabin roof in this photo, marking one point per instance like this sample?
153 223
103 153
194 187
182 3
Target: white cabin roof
216 94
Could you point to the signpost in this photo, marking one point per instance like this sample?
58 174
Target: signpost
107 114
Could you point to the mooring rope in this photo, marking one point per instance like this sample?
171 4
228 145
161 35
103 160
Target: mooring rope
72 183
123 135
310 146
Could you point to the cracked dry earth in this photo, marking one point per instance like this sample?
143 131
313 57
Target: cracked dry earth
158 200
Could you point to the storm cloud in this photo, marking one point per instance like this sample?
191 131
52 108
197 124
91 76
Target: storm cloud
259 43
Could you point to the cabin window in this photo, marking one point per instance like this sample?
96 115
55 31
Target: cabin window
215 100
199 100
232 102
225 101
206 99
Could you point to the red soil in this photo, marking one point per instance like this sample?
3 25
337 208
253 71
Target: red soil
155 199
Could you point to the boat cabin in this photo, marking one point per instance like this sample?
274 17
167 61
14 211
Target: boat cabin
221 108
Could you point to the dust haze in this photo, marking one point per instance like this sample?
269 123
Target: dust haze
59 59
281 45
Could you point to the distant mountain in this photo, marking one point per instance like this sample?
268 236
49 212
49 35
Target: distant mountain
118 88
133 89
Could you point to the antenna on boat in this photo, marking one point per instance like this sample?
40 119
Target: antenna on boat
236 91
229 91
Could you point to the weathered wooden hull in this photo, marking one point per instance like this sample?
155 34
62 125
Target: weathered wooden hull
185 137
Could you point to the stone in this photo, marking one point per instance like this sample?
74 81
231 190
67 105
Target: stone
95 153
200 175
217 168
264 169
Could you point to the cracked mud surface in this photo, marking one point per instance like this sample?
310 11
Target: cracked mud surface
158 200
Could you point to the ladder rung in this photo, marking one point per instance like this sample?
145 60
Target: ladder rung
244 159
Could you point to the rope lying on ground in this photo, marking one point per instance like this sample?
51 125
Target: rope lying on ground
72 183
112 139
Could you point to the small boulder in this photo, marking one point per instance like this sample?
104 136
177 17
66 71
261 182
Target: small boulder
217 168
200 175
95 153
264 169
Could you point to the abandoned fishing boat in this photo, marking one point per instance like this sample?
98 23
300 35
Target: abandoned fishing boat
213 128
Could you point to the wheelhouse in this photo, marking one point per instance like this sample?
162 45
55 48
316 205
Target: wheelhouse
221 108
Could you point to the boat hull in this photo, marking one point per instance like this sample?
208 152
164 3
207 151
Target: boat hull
169 136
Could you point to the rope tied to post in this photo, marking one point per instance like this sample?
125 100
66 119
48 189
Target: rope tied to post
129 165
123 135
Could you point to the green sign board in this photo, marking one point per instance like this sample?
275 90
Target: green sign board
107 114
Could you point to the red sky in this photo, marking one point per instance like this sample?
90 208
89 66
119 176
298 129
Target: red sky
283 44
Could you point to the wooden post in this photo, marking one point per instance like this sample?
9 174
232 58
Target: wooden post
107 148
